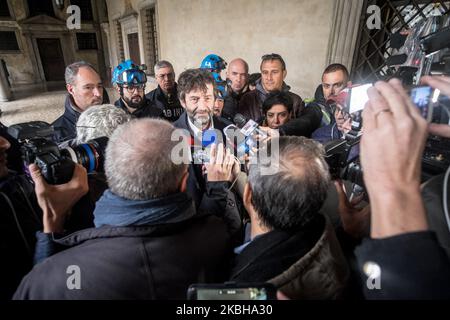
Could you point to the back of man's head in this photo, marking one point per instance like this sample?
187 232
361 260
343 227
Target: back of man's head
293 195
138 162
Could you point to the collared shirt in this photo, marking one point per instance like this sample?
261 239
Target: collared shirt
196 131
238 250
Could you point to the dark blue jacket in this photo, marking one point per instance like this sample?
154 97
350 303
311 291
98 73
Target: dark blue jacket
147 110
66 125
156 260
172 108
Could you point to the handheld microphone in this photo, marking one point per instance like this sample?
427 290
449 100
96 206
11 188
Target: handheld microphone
248 128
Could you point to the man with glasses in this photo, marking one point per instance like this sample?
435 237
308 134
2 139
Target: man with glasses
165 97
130 81
273 73
85 89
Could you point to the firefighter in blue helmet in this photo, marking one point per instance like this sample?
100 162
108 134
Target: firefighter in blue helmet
215 65
130 80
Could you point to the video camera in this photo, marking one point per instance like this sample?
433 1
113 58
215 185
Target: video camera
341 156
56 164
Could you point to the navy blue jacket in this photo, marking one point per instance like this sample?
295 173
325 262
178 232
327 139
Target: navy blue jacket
412 265
172 109
66 125
156 261
147 110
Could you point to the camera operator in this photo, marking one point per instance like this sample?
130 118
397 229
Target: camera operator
319 113
402 253
144 212
97 121
433 189
340 126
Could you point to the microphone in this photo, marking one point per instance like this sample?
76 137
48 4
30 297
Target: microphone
200 149
248 127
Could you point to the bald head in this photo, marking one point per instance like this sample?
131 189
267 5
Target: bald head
238 74
138 164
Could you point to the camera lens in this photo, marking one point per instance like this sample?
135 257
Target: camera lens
90 155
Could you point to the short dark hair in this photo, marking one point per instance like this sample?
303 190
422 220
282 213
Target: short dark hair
337 67
193 79
293 195
272 56
278 97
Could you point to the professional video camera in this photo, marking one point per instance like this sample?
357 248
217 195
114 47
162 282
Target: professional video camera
56 164
421 50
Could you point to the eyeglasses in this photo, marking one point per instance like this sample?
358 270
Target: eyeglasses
131 89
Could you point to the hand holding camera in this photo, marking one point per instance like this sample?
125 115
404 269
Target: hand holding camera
56 200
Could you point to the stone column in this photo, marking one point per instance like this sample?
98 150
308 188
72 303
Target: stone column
344 32
107 49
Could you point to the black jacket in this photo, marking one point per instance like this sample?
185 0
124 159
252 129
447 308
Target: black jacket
250 105
432 198
306 263
212 197
412 265
147 110
197 187
231 103
274 252
66 125
171 108
136 262
20 218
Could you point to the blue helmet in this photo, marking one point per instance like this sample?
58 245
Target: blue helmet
215 65
213 62
129 73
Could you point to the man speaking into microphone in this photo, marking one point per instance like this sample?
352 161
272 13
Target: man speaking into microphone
209 191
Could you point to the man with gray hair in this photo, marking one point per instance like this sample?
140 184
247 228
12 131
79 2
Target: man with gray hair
85 89
291 245
165 96
148 242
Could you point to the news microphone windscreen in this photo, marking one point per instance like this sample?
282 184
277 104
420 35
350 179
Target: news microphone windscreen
239 120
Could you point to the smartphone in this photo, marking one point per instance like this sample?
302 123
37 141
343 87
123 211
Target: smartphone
358 97
424 97
232 291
